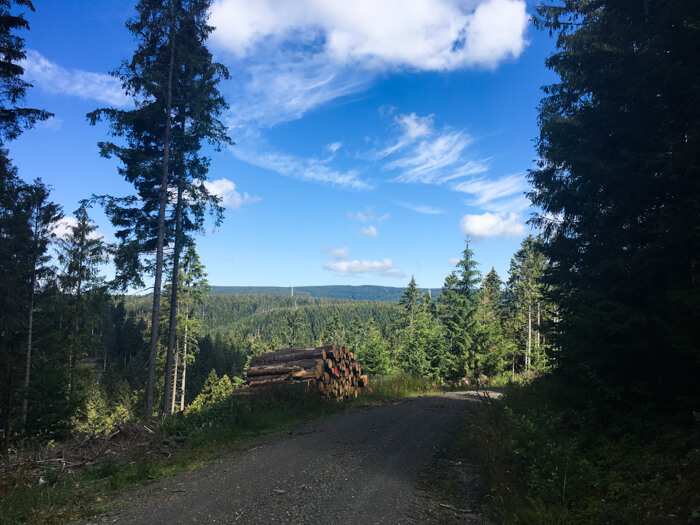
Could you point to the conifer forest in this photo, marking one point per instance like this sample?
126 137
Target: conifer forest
593 333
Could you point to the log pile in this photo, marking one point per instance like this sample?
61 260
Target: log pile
331 369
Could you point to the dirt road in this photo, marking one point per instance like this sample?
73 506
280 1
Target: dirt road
366 466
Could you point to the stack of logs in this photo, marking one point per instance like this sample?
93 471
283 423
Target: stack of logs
331 369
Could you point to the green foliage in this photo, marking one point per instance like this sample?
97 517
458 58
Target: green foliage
213 391
548 463
356 293
93 418
620 208
372 352
14 117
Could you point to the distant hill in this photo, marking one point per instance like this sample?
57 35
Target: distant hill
362 293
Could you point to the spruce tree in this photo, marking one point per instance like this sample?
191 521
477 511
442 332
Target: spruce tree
80 254
14 118
457 306
173 81
618 185
408 302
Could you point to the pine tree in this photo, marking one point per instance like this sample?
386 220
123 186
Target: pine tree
620 207
372 352
15 212
526 291
80 253
14 118
43 216
457 308
173 81
296 327
408 302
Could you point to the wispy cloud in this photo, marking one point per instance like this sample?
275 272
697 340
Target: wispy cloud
485 225
384 268
423 208
226 190
423 154
279 87
57 80
486 191
306 169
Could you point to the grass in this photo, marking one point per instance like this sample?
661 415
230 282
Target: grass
191 442
547 463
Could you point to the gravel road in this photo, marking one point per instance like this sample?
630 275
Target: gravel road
366 466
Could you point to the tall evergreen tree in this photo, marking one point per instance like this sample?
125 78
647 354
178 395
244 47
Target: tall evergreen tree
618 185
80 253
457 306
173 81
526 291
408 302
43 216
15 208
14 118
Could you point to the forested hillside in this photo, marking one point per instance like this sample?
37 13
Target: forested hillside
362 293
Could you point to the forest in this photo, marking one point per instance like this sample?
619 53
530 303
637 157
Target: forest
596 320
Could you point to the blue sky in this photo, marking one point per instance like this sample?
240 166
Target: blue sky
371 137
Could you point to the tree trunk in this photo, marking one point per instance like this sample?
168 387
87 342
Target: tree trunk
168 395
153 350
28 365
176 359
529 337
184 363
538 324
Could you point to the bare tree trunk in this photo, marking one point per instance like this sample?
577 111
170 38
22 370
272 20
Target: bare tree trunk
153 350
538 324
168 395
28 365
174 394
529 337
184 363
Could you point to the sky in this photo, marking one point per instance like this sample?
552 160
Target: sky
372 137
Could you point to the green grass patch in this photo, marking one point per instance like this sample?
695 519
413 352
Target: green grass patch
546 463
180 444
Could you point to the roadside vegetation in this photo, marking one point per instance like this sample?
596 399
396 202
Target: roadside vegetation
36 491
547 460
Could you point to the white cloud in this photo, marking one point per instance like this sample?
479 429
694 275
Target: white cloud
226 190
434 157
426 35
311 169
423 208
370 231
280 87
292 57
429 158
487 191
487 224
58 80
64 227
334 146
384 268
453 260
